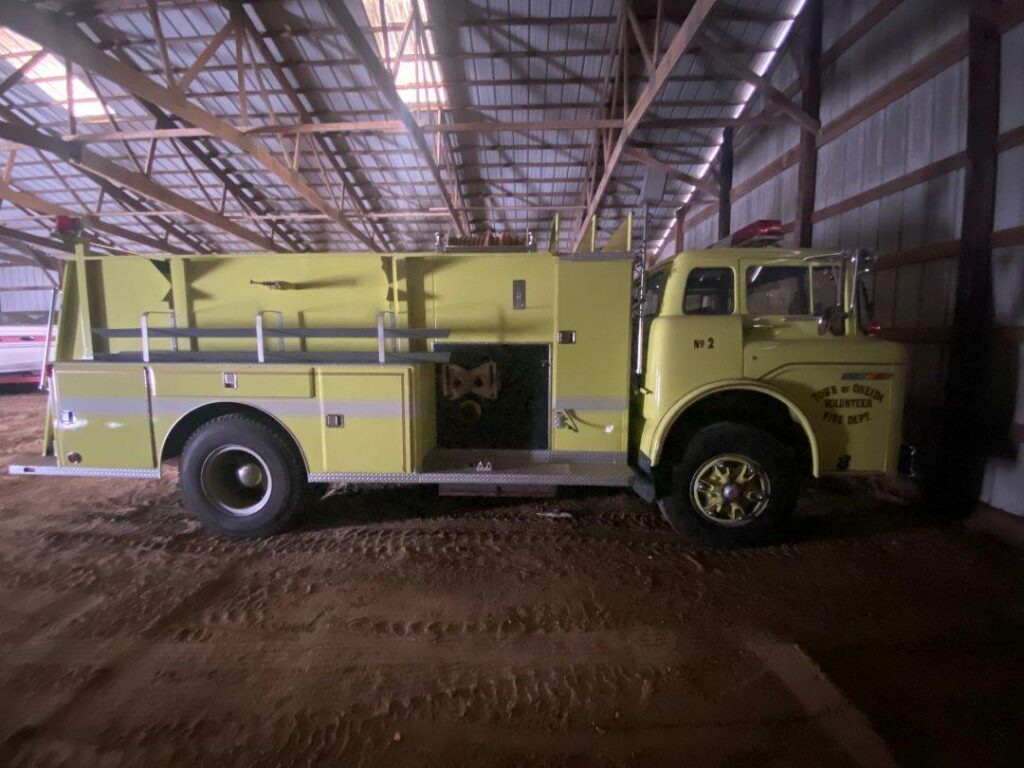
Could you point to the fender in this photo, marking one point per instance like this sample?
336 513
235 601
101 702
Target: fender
667 421
237 405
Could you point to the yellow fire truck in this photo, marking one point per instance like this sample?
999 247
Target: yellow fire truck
711 384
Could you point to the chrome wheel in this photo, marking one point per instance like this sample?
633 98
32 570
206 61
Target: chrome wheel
236 480
730 490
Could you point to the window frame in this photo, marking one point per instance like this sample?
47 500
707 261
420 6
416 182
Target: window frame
808 315
732 291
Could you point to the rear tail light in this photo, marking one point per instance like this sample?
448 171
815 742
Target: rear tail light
875 328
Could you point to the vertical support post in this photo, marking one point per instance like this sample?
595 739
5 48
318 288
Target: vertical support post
181 301
968 422
382 354
261 350
725 184
144 335
680 228
84 305
48 345
810 101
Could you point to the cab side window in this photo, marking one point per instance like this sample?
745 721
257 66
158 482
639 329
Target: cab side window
709 292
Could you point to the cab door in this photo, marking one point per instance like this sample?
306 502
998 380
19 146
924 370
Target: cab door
697 337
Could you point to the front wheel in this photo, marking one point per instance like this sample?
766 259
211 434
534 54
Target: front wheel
735 486
241 478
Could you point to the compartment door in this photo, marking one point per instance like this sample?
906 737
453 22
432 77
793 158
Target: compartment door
591 356
364 418
101 412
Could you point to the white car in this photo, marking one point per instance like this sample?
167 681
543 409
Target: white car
22 341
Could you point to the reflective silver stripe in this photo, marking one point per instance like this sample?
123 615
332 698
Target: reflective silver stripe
277 406
111 406
590 404
287 407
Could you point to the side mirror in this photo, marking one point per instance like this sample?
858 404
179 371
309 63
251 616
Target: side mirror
832 320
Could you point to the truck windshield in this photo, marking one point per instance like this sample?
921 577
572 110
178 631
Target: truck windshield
778 291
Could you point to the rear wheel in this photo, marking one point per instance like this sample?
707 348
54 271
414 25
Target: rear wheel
735 486
242 478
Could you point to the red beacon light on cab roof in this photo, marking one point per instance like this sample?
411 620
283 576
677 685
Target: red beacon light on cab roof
756 234
760 232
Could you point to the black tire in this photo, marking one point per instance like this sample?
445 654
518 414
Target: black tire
211 479
727 439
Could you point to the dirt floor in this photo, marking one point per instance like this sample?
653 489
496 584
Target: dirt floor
396 628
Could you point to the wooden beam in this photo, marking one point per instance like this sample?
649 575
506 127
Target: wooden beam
891 187
38 204
722 60
196 243
680 232
810 102
54 32
204 57
725 159
394 126
918 73
161 43
329 149
970 420
50 244
102 166
634 24
642 157
368 57
682 40
18 75
861 27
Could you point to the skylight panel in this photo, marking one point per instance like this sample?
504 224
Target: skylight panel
50 75
418 77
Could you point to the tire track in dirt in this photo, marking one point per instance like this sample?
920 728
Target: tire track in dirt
120 654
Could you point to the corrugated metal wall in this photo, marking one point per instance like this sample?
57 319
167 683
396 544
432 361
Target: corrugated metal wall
24 288
1004 480
890 176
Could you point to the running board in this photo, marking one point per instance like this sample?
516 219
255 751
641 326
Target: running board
502 469
31 464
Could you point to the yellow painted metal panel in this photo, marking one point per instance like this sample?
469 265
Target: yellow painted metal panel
684 353
121 292
102 413
323 291
473 297
372 410
591 374
424 412
250 380
854 419
622 238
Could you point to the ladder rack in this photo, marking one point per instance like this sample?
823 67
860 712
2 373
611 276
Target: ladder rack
384 332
